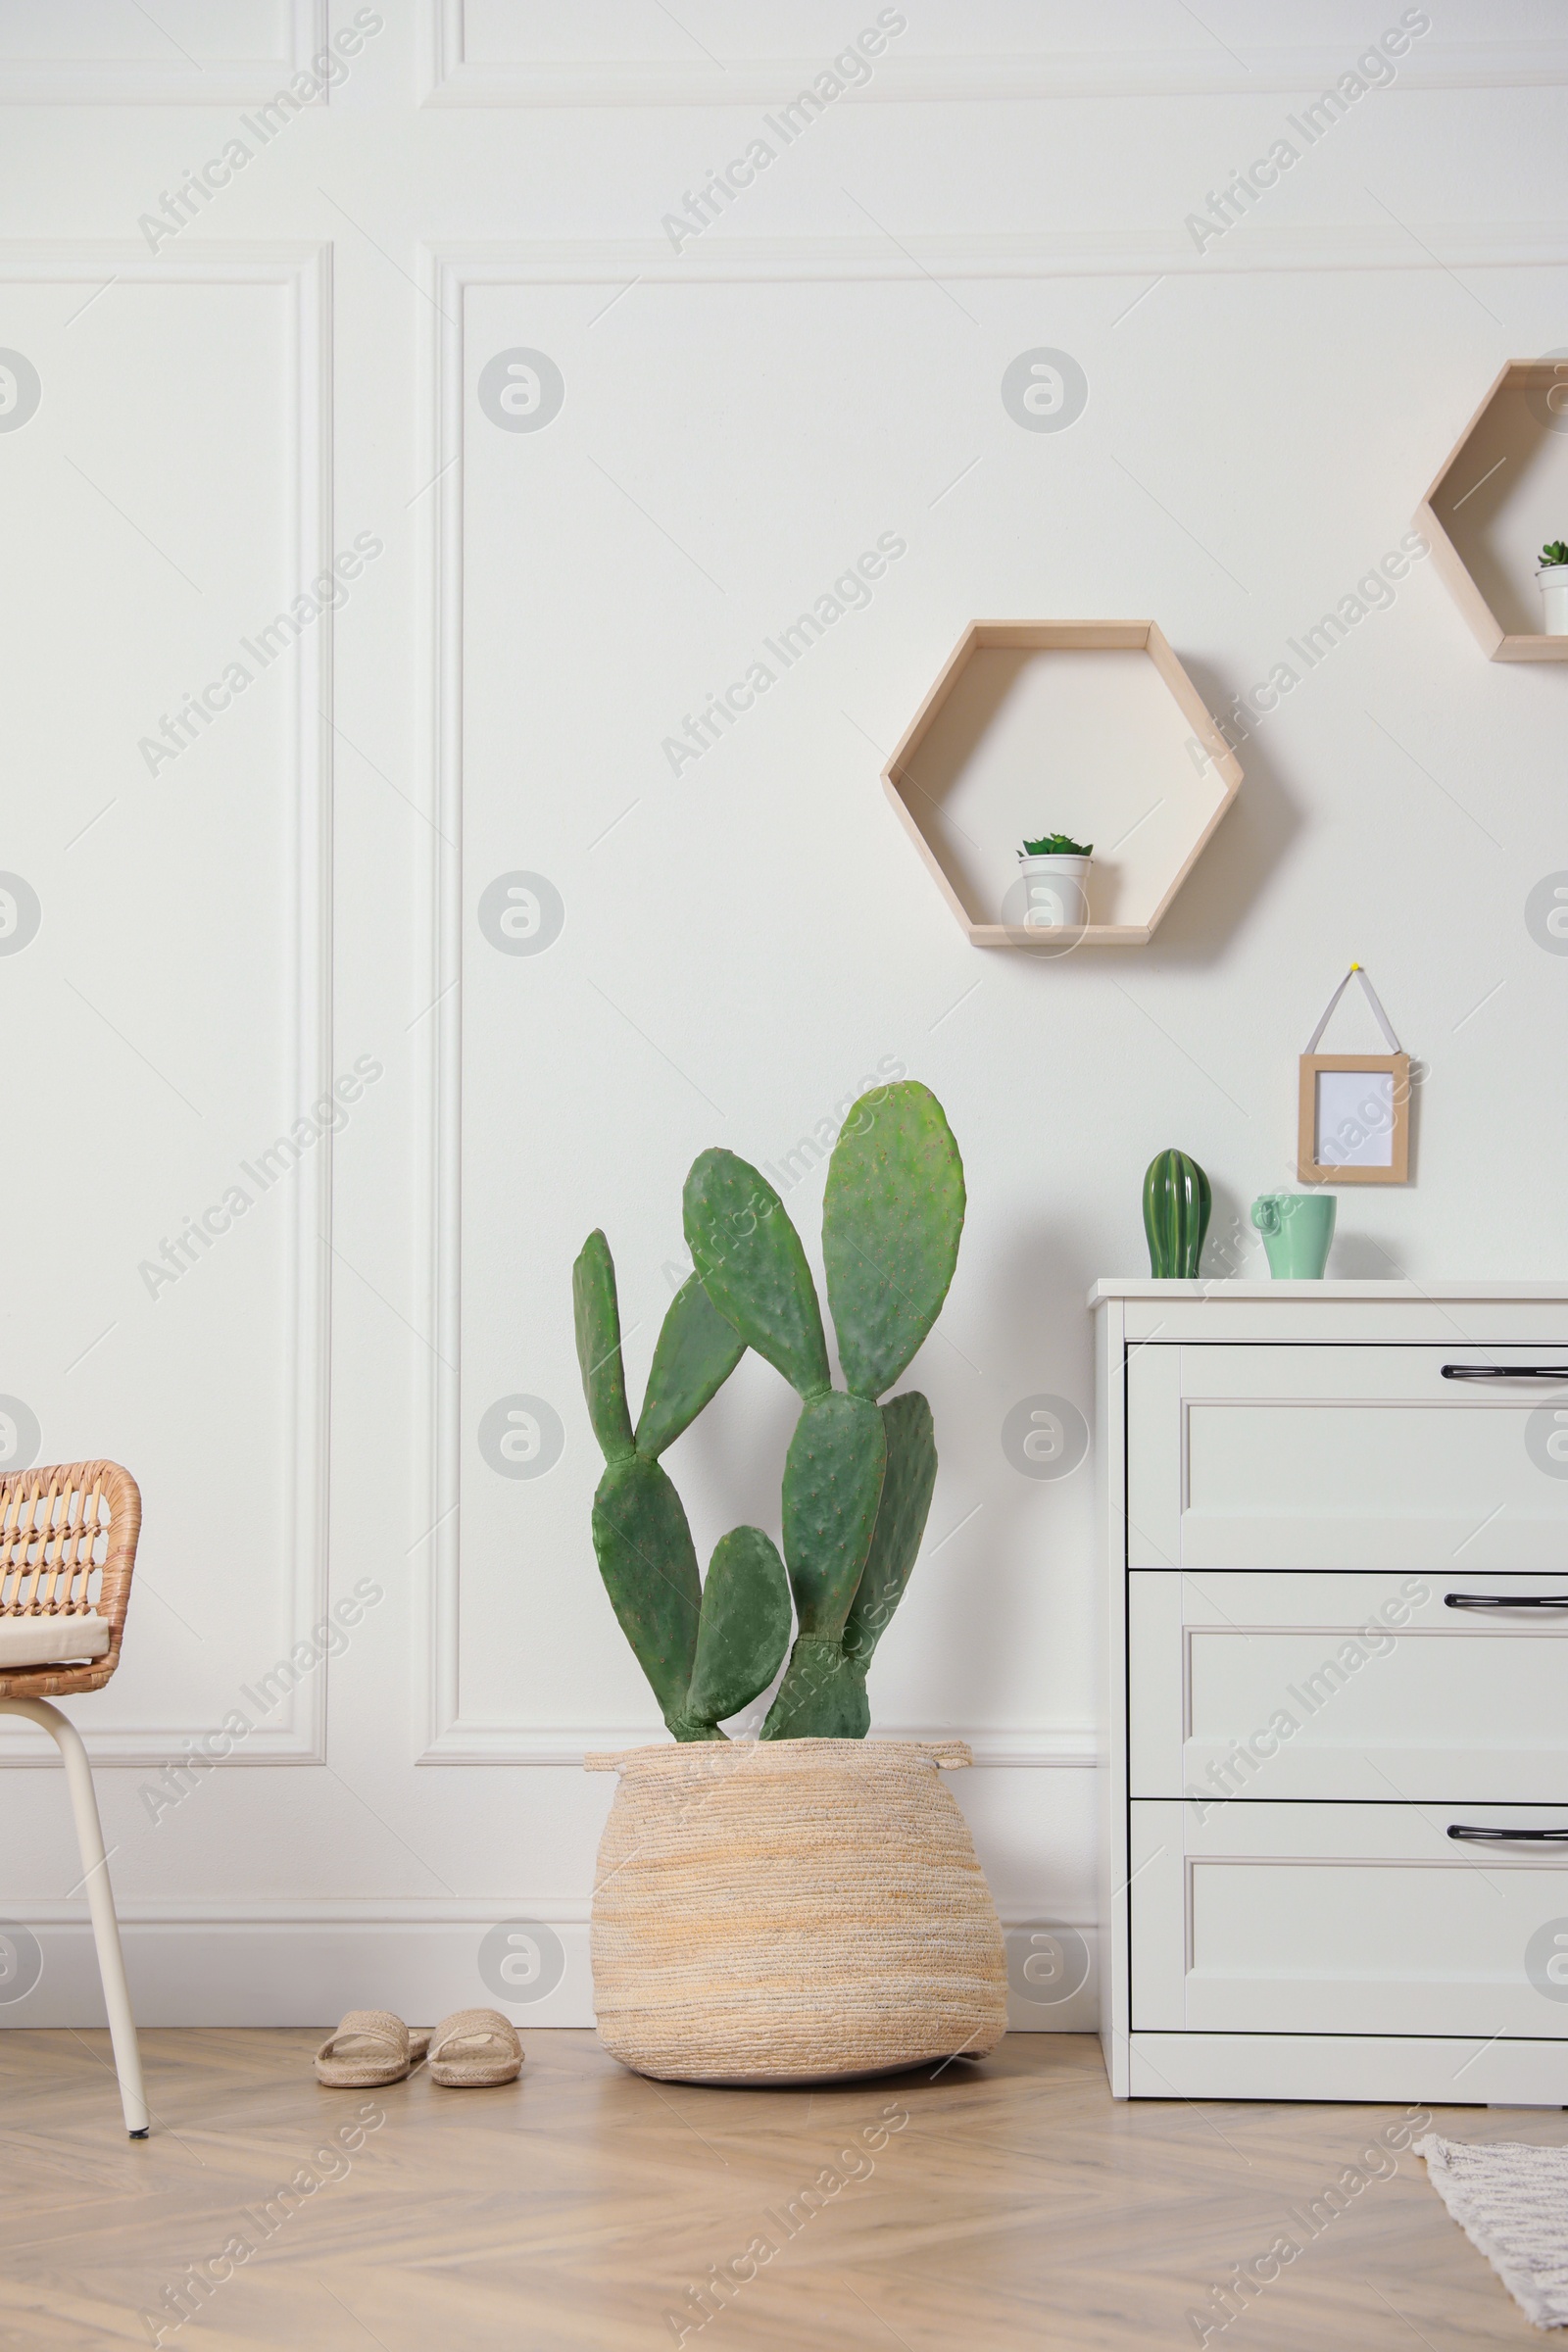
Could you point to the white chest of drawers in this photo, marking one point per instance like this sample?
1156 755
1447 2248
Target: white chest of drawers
1333 1527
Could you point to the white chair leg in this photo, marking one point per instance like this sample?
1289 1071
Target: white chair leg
100 1901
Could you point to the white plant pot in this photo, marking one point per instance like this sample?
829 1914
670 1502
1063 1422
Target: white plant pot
1553 579
1055 891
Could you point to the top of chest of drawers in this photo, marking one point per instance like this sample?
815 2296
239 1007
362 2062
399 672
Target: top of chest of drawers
1457 1312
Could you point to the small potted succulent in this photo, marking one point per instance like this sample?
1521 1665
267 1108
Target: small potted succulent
1552 581
1056 882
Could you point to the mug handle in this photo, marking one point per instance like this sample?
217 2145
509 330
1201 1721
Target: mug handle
1266 1213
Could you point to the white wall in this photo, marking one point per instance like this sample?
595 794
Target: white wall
298 892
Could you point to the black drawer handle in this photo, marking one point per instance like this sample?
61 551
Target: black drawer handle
1460 1829
1505 1371
1505 1600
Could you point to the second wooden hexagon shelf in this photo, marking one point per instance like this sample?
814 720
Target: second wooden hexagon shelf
1501 492
1089 727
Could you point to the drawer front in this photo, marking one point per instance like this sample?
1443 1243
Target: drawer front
1346 1919
1428 1688
1355 1458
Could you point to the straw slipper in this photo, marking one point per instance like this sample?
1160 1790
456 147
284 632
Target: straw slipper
475 2049
371 2048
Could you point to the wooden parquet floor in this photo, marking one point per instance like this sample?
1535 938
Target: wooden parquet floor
1015 2205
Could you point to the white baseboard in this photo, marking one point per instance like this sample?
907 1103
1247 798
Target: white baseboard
305 1962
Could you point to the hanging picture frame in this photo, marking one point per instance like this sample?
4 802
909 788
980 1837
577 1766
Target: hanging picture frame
1354 1109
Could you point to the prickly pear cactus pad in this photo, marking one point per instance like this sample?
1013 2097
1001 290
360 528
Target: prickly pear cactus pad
598 1322
695 1355
832 1486
822 1698
641 1538
743 1629
891 1222
911 1474
752 1266
649 1564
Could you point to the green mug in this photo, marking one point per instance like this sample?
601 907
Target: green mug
1297 1230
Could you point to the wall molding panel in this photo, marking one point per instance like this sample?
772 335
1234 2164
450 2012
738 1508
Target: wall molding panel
455 72
1375 244
172 78
295 1731
449 1736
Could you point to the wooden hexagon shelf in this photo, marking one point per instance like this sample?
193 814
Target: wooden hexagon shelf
1089 727
1501 492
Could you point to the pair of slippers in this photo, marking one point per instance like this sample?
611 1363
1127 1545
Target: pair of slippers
473 2049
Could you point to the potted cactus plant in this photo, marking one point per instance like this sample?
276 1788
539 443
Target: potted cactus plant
808 1904
1055 879
1552 581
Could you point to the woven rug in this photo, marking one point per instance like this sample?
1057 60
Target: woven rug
1511 2201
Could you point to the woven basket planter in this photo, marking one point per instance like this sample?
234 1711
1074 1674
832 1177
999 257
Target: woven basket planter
787 1910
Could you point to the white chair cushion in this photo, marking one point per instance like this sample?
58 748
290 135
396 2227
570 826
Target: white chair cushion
41 1641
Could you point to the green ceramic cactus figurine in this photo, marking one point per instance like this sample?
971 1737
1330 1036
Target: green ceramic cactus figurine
858 1476
1176 1203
